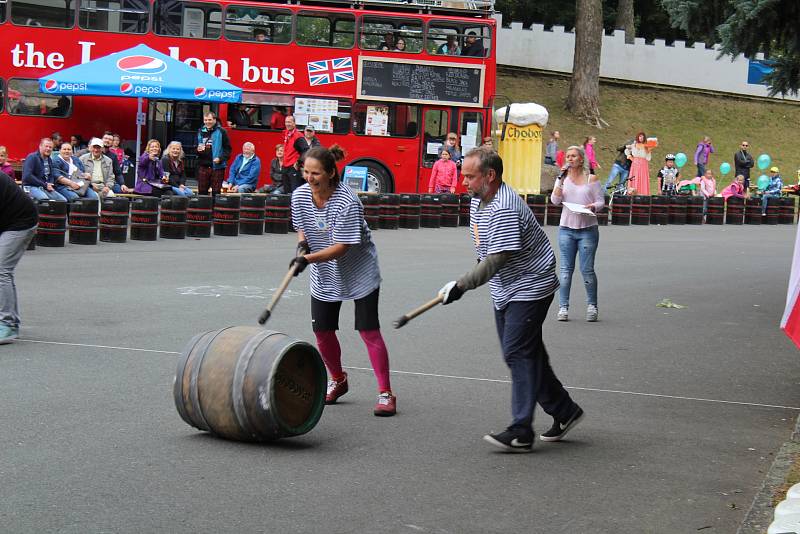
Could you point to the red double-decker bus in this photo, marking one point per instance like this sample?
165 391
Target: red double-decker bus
386 80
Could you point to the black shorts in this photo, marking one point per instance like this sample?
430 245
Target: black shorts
325 315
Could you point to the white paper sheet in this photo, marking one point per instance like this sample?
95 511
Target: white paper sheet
577 208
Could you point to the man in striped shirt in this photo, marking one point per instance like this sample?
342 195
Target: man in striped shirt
515 257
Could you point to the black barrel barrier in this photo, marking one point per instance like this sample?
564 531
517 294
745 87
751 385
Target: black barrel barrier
451 206
640 210
52 223
198 216
430 211
277 217
389 211
734 210
773 210
602 215
716 210
83 219
659 209
752 210
372 209
464 203
114 213
553 215
677 209
786 215
252 214
226 215
173 217
538 205
409 211
144 218
694 210
621 210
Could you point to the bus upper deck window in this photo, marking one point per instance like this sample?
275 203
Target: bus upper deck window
27 100
3 12
198 20
320 29
451 39
120 16
390 34
245 23
43 13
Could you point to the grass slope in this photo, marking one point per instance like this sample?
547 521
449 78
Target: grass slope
679 119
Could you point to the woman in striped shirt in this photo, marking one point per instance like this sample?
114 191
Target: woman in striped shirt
334 238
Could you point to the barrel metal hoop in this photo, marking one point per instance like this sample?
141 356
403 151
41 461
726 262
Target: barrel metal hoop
194 394
239 374
177 389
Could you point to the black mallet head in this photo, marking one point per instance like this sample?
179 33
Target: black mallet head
401 322
264 316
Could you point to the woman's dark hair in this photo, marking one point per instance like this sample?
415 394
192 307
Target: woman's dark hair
586 141
327 157
641 134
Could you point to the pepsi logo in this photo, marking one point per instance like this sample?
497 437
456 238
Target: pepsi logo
126 88
141 64
200 92
50 86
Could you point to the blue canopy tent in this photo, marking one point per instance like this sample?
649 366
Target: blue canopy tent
139 72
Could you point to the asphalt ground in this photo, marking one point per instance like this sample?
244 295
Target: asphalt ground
685 407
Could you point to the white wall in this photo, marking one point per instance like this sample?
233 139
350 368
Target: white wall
679 65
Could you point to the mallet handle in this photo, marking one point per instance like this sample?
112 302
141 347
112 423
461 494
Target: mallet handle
399 323
277 295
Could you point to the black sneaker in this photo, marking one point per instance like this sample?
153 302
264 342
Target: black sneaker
559 430
511 440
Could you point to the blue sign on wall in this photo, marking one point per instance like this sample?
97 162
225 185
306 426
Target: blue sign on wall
757 69
356 177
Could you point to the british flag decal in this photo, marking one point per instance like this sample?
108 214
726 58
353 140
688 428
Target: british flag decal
330 71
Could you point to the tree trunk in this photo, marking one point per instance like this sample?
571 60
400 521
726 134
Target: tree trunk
625 20
584 88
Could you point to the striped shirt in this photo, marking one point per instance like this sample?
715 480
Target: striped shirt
506 224
354 275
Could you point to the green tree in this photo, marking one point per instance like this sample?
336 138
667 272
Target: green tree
583 100
747 27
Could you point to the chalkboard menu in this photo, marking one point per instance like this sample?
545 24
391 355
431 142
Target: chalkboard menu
426 82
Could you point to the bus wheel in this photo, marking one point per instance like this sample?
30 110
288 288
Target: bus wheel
378 178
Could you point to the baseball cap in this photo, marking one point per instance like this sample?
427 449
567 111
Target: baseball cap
95 142
309 128
774 169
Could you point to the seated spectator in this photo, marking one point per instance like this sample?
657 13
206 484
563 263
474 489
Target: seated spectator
100 168
5 166
736 189
451 144
116 148
444 176
400 45
172 164
77 143
708 188
116 166
151 178
488 141
308 141
276 174
260 35
72 180
388 42
37 173
473 46
773 189
245 170
56 138
450 48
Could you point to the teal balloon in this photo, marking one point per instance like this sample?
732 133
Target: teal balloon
725 168
680 159
763 161
763 181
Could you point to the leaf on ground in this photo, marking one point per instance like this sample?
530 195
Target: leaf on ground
667 303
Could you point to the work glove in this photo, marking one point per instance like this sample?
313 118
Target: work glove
450 292
299 263
303 248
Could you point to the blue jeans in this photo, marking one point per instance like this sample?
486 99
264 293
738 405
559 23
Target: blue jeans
701 169
186 192
71 195
246 188
616 170
519 326
583 242
40 193
12 245
764 199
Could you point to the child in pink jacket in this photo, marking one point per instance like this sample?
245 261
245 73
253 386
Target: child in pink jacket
444 177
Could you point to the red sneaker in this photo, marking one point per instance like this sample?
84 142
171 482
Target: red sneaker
336 389
386 405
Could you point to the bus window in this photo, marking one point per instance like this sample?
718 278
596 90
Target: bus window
43 13
437 125
470 130
119 16
258 24
2 95
320 29
257 117
395 35
452 39
198 20
24 98
385 119
3 12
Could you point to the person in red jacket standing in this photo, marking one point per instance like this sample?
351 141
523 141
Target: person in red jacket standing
291 172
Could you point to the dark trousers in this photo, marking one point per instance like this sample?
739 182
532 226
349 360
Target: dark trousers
519 326
209 177
292 179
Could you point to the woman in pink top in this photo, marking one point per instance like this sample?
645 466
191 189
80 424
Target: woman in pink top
736 189
708 188
577 232
444 175
588 146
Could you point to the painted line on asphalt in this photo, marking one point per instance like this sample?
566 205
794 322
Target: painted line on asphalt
457 377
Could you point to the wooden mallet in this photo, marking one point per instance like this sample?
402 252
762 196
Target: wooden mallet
265 315
401 322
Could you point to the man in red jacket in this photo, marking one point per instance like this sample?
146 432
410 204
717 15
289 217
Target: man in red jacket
292 179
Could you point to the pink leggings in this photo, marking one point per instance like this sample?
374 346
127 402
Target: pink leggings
331 353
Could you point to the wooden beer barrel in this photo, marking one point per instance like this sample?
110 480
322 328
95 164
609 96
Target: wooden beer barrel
716 210
773 210
621 210
252 214
198 216
659 209
602 215
144 218
226 215
114 219
52 223
173 217
677 209
694 210
430 211
83 221
389 214
640 210
752 210
451 206
786 213
409 211
734 213
464 204
277 214
250 384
